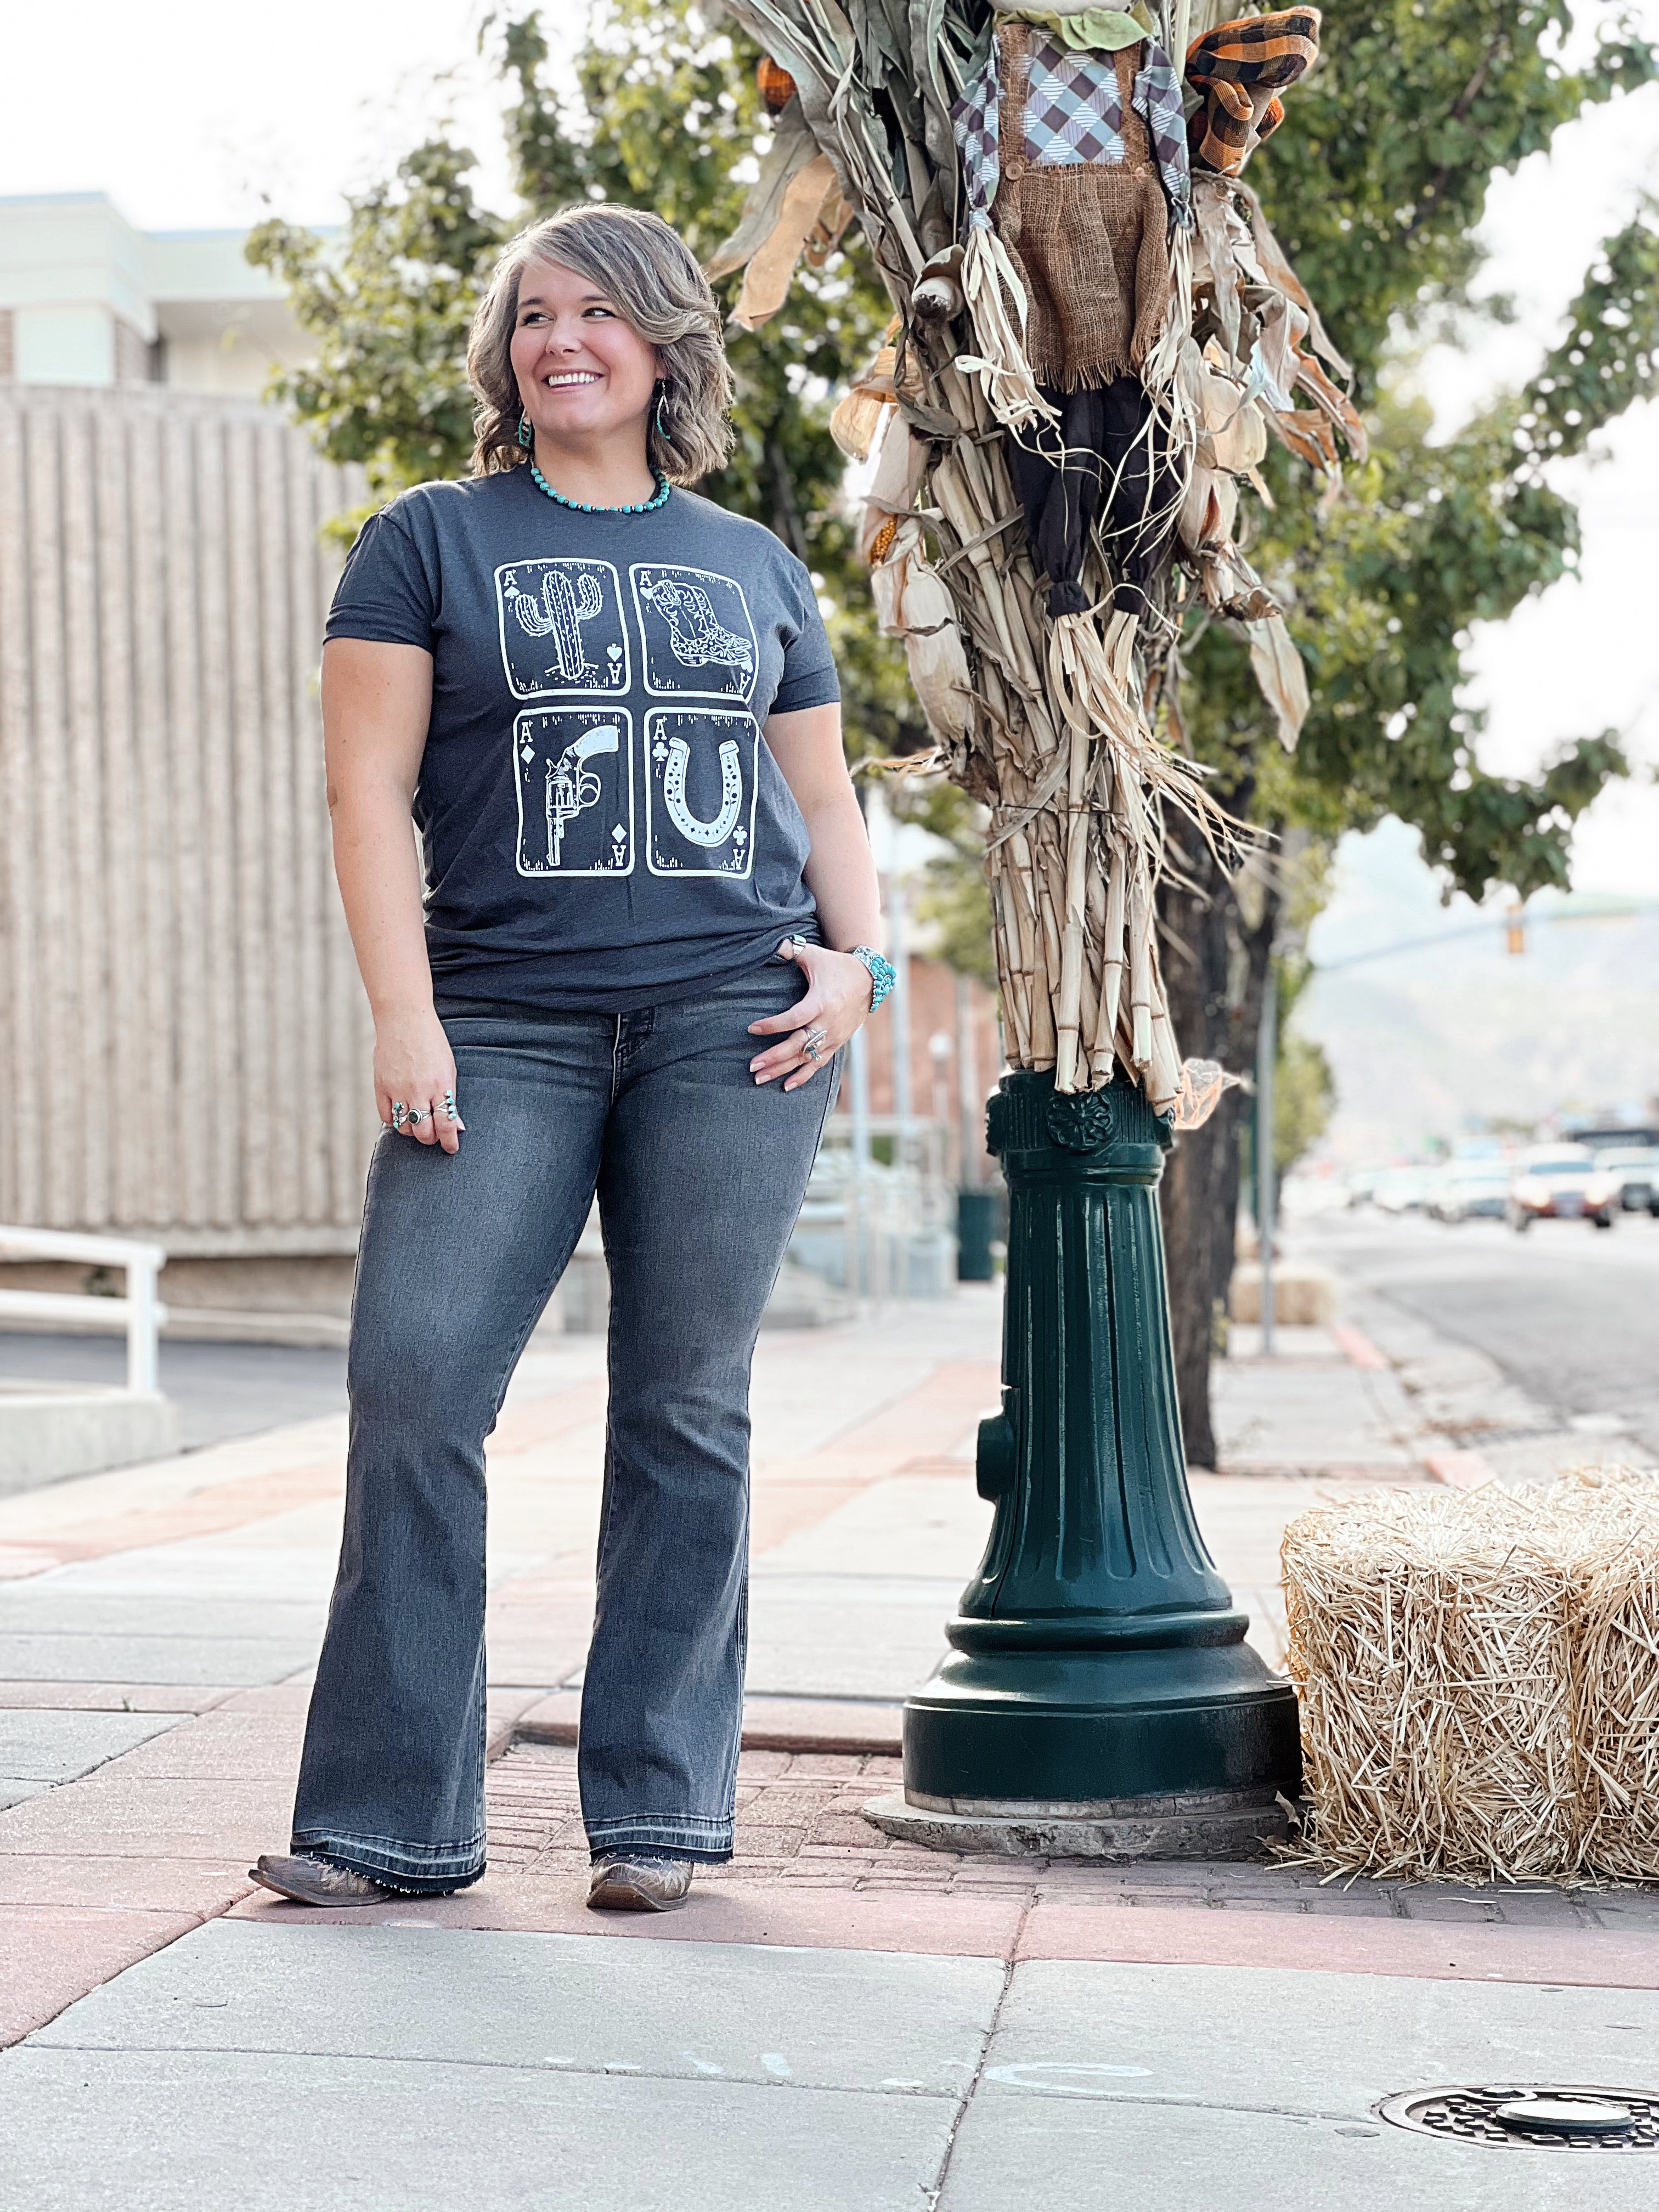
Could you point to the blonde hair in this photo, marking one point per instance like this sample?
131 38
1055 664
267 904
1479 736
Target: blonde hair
650 273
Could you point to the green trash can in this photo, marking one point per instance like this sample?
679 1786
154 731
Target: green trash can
978 1220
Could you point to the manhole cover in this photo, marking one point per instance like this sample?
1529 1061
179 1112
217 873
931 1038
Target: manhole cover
1532 2115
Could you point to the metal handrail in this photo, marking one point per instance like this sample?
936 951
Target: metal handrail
141 1313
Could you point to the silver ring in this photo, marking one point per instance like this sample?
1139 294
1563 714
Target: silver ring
449 1105
813 1043
416 1115
399 1112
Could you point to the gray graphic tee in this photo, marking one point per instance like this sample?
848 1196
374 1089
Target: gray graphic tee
602 823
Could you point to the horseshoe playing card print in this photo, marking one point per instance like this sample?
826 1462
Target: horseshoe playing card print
575 785
697 633
700 792
562 627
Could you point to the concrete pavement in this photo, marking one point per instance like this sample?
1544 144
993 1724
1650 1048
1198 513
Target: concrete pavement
836 2020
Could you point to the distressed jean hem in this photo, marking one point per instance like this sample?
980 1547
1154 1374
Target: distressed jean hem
707 1842
414 1875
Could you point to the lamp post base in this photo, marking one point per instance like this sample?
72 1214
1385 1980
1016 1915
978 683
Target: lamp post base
1099 1699
1216 1824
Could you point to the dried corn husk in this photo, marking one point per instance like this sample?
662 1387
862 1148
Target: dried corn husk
996 300
794 149
766 279
913 604
1479 1679
1281 675
1232 435
1203 1085
1045 724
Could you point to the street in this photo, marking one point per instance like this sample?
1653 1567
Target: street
1570 1313
839 2021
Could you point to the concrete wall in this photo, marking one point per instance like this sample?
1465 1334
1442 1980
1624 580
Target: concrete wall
184 1039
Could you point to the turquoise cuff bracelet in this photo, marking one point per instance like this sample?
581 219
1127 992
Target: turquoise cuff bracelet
882 973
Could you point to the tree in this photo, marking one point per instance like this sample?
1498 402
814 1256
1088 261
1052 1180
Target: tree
666 114
1375 186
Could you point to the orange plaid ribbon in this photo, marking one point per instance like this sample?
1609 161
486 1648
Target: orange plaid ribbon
1240 67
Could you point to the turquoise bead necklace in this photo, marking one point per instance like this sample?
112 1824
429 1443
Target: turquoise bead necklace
583 507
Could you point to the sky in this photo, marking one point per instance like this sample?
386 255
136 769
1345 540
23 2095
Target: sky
195 116
202 117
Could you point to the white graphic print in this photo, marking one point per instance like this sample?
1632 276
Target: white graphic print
562 627
698 637
700 794
575 786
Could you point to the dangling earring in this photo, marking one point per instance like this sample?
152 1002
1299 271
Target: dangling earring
526 435
662 403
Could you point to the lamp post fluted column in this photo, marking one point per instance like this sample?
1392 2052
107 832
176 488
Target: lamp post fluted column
1099 1697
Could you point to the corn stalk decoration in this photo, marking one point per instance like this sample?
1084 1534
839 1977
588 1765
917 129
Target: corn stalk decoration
1044 695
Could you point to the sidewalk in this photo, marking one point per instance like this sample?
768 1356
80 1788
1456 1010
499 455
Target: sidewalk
837 2022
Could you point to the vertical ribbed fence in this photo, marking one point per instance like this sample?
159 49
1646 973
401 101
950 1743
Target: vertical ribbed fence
184 1042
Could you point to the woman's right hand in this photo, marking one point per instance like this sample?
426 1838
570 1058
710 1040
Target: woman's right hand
415 1068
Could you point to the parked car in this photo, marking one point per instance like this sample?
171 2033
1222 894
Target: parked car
1402 1190
1624 1182
1471 1190
1549 1184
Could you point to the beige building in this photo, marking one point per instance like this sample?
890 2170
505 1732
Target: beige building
184 1042
87 301
183 1037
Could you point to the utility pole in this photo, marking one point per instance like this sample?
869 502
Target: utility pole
857 1258
970 1099
898 1012
1267 1054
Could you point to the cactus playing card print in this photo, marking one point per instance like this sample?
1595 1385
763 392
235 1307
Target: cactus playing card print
562 627
697 633
575 786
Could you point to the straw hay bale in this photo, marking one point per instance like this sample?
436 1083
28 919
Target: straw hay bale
1479 1679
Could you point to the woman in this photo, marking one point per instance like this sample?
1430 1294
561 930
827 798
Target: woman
648 916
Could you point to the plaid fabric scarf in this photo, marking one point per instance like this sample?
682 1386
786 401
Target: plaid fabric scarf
1158 98
976 118
1238 68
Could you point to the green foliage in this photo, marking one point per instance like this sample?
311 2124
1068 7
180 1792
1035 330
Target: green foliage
1379 176
1606 362
1374 186
389 307
666 117
1304 1087
1304 1098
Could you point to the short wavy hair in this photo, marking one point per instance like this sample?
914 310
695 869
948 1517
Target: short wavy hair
651 275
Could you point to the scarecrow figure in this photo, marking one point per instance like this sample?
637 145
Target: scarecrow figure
1095 335
1091 344
1074 155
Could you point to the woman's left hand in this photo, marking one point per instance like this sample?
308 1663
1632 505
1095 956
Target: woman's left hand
839 990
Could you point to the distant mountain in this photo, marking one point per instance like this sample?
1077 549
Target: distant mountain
1424 1040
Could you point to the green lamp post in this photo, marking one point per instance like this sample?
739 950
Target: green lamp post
1099 1697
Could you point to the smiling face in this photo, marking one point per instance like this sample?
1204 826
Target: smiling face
584 375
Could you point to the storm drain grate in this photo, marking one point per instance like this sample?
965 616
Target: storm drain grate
1529 2116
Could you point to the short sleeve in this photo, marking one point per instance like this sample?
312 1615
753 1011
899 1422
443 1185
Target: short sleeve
387 592
809 678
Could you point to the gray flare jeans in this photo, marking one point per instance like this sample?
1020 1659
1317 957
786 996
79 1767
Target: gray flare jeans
700 1175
